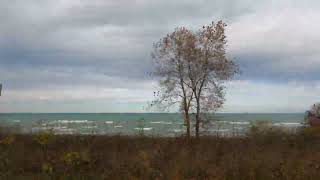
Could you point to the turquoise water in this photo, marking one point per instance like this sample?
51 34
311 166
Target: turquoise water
162 124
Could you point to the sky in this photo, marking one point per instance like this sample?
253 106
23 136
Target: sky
94 56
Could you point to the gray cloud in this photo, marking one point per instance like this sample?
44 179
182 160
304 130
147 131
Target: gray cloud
107 44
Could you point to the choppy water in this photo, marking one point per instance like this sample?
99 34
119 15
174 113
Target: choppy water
139 123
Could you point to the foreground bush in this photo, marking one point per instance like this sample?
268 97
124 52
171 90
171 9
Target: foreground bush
259 156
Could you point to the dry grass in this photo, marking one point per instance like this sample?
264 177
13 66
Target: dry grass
272 155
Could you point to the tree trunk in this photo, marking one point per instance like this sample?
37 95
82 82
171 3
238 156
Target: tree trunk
187 122
185 106
186 116
198 119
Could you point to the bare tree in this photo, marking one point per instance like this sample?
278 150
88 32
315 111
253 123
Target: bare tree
193 67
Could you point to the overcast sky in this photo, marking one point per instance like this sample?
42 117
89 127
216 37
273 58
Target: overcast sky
94 55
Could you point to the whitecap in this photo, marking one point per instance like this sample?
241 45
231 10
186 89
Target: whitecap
60 127
63 121
239 122
238 128
144 129
177 130
160 122
155 122
91 127
65 130
222 121
288 124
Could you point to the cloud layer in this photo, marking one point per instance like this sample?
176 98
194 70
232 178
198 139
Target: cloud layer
92 55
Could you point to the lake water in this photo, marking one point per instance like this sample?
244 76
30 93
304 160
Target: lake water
157 124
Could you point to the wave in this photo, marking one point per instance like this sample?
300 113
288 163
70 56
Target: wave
238 128
144 129
66 130
221 122
91 127
55 129
288 124
239 122
160 122
177 130
64 121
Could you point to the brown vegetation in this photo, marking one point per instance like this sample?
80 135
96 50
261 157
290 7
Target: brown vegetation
273 155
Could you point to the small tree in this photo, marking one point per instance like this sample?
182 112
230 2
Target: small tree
193 67
315 109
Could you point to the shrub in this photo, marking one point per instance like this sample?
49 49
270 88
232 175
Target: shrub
311 131
47 168
260 127
8 140
44 138
75 160
71 158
